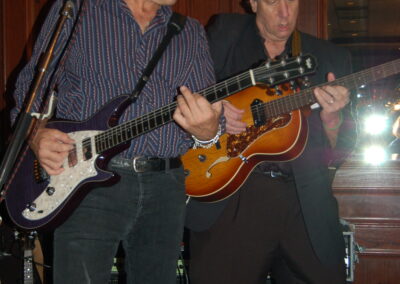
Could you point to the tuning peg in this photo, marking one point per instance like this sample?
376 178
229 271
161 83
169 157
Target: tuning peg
292 85
278 91
306 82
268 63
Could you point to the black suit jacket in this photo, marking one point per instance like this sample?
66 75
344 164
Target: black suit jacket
235 47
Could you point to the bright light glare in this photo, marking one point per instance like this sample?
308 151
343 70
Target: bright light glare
375 124
375 155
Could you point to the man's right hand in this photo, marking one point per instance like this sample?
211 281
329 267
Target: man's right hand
51 147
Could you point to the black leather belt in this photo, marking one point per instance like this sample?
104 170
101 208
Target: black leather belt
145 164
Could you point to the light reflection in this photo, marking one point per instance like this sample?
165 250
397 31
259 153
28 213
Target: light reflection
375 155
375 124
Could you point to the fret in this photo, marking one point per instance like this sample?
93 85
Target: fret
166 117
246 82
146 126
97 144
118 136
134 131
232 88
220 94
124 134
213 95
139 127
153 121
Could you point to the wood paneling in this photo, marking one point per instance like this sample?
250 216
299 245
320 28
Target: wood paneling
369 199
204 9
313 17
20 24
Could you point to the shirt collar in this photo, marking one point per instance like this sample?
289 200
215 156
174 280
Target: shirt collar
164 12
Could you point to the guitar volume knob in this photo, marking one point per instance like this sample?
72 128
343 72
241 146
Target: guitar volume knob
202 158
31 206
50 190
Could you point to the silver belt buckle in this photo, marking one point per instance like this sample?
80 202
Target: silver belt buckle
135 168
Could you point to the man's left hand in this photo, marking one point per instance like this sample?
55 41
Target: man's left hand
332 99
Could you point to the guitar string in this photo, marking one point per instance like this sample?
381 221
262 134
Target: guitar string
275 105
171 108
117 132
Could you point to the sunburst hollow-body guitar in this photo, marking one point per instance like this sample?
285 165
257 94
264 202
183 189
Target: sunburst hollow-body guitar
276 131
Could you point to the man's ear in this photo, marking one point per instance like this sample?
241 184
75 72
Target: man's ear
253 4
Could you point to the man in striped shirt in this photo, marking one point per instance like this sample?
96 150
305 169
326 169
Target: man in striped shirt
109 46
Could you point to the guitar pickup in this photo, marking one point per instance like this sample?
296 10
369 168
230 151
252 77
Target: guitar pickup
259 117
87 152
72 157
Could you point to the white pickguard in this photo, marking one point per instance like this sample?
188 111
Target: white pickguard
66 182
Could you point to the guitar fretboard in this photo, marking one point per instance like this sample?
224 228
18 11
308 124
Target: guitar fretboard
306 97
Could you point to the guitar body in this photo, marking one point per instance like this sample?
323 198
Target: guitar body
48 196
216 173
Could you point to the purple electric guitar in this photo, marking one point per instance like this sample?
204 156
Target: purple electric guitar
36 200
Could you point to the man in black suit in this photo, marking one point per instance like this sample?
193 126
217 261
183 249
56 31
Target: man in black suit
284 219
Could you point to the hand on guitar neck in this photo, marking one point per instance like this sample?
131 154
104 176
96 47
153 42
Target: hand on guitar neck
196 115
332 100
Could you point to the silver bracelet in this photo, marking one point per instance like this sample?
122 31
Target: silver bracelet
207 143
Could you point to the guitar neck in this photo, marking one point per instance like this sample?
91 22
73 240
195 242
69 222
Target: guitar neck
306 97
129 130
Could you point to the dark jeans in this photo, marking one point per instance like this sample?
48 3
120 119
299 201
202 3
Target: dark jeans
144 211
260 231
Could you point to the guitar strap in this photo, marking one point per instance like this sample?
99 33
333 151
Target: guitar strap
296 43
175 26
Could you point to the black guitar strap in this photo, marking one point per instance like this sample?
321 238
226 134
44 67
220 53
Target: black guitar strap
175 26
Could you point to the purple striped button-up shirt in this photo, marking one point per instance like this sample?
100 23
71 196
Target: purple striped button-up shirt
105 58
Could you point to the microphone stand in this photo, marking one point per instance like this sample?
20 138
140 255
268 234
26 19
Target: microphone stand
25 120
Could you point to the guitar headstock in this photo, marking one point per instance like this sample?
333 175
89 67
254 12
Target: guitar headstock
283 70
